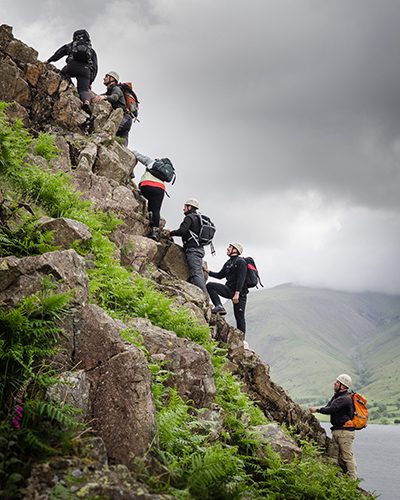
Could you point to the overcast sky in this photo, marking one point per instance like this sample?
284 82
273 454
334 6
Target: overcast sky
281 116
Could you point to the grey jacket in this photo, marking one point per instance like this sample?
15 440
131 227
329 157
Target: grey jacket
115 97
148 162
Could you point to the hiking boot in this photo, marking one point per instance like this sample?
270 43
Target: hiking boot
155 233
245 345
86 107
218 310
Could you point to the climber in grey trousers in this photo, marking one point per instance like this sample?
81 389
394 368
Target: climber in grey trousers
193 251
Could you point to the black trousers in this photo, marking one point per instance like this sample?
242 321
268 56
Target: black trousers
154 196
124 128
215 290
77 70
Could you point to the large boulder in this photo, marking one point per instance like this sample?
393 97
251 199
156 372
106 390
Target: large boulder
110 127
178 288
66 231
97 338
102 111
48 80
174 262
190 364
13 87
17 112
122 405
20 52
22 277
140 252
67 111
121 400
272 434
115 162
5 36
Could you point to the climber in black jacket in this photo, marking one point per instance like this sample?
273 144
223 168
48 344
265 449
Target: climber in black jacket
81 64
194 252
235 271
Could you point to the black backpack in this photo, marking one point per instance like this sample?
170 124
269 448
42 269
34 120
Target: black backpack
163 170
206 232
252 276
81 49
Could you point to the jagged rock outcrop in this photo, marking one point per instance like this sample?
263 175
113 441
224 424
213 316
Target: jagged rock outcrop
190 364
273 399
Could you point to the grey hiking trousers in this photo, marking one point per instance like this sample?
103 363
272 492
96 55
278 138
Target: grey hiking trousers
194 257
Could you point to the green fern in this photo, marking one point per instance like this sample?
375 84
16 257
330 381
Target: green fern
60 413
217 473
44 145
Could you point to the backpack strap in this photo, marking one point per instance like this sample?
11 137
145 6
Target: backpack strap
193 235
213 252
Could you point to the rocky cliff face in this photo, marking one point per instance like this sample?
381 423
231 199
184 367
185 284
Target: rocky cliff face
109 378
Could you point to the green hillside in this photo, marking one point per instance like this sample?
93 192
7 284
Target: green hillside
308 336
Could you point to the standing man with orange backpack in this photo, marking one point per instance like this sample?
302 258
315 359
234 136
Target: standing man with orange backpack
341 411
115 96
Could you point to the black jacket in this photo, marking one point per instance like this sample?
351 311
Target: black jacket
341 409
234 270
191 222
65 50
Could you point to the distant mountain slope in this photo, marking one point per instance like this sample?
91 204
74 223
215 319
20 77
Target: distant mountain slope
308 336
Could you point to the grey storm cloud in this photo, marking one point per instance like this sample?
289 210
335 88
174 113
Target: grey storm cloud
281 116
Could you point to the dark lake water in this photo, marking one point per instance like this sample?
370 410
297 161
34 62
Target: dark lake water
377 451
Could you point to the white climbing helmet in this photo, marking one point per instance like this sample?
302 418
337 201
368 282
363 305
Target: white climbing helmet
192 202
238 247
114 75
345 380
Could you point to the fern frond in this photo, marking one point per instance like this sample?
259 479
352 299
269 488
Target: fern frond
52 411
33 441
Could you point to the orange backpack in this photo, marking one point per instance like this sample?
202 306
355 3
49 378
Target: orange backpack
132 102
360 418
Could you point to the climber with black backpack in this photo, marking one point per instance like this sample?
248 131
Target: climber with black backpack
235 288
195 236
152 187
81 64
116 97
